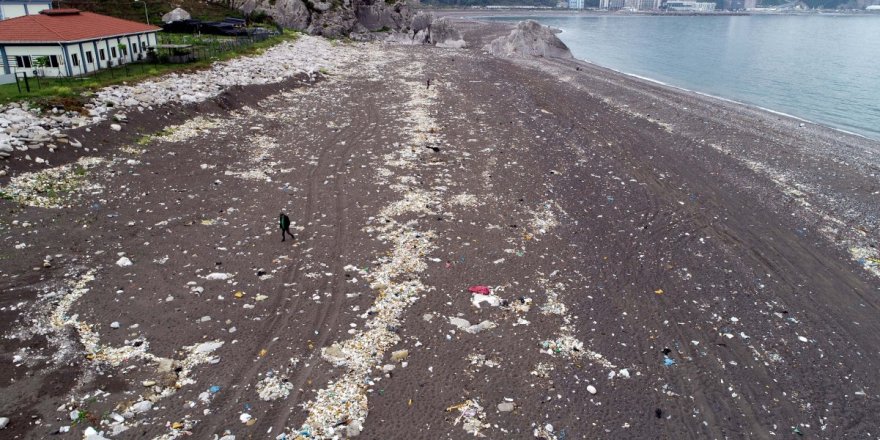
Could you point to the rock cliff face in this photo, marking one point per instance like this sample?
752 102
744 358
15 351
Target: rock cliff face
334 18
529 38
444 34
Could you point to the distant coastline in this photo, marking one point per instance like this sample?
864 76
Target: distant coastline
477 13
858 126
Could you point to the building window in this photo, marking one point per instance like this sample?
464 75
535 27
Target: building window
89 58
113 52
74 59
53 61
102 55
124 50
23 61
143 45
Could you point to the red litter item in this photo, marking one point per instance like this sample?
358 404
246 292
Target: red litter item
482 290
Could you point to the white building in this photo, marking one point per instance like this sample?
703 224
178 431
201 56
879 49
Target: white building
612 4
642 5
689 6
575 4
66 42
17 8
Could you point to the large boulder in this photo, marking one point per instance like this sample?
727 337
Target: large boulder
444 34
529 39
177 14
381 15
288 13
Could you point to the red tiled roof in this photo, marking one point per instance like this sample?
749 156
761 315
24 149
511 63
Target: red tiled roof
66 25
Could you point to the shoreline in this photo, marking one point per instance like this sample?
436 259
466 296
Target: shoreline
521 248
481 19
733 101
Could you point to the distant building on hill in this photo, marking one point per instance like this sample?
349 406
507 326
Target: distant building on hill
18 8
575 4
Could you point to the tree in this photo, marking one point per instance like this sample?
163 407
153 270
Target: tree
41 63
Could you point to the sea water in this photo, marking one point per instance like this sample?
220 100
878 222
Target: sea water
823 68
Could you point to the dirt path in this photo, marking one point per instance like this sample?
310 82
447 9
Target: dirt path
648 285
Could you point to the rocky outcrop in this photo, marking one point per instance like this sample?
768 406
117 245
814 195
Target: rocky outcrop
444 34
288 13
380 15
529 39
335 18
424 29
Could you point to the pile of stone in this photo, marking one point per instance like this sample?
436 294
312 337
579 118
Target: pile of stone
24 128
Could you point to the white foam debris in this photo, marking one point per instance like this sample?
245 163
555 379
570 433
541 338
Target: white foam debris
544 219
472 417
53 187
868 258
272 387
466 200
566 345
342 406
492 300
194 127
553 305
466 326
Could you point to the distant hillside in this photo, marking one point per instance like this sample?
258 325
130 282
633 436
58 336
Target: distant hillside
156 8
466 3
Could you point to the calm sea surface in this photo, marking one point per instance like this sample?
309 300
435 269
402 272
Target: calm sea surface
821 68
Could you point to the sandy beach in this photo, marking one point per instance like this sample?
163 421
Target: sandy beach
528 248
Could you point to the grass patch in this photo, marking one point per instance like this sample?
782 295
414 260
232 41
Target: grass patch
144 140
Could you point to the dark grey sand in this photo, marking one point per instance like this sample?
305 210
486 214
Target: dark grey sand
704 268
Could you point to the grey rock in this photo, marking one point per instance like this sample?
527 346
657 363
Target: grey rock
3 422
506 406
176 14
529 39
288 13
421 21
142 407
444 34
329 18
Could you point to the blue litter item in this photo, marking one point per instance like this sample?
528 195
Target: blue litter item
667 361
214 389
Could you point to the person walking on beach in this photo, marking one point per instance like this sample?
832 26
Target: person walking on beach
284 223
